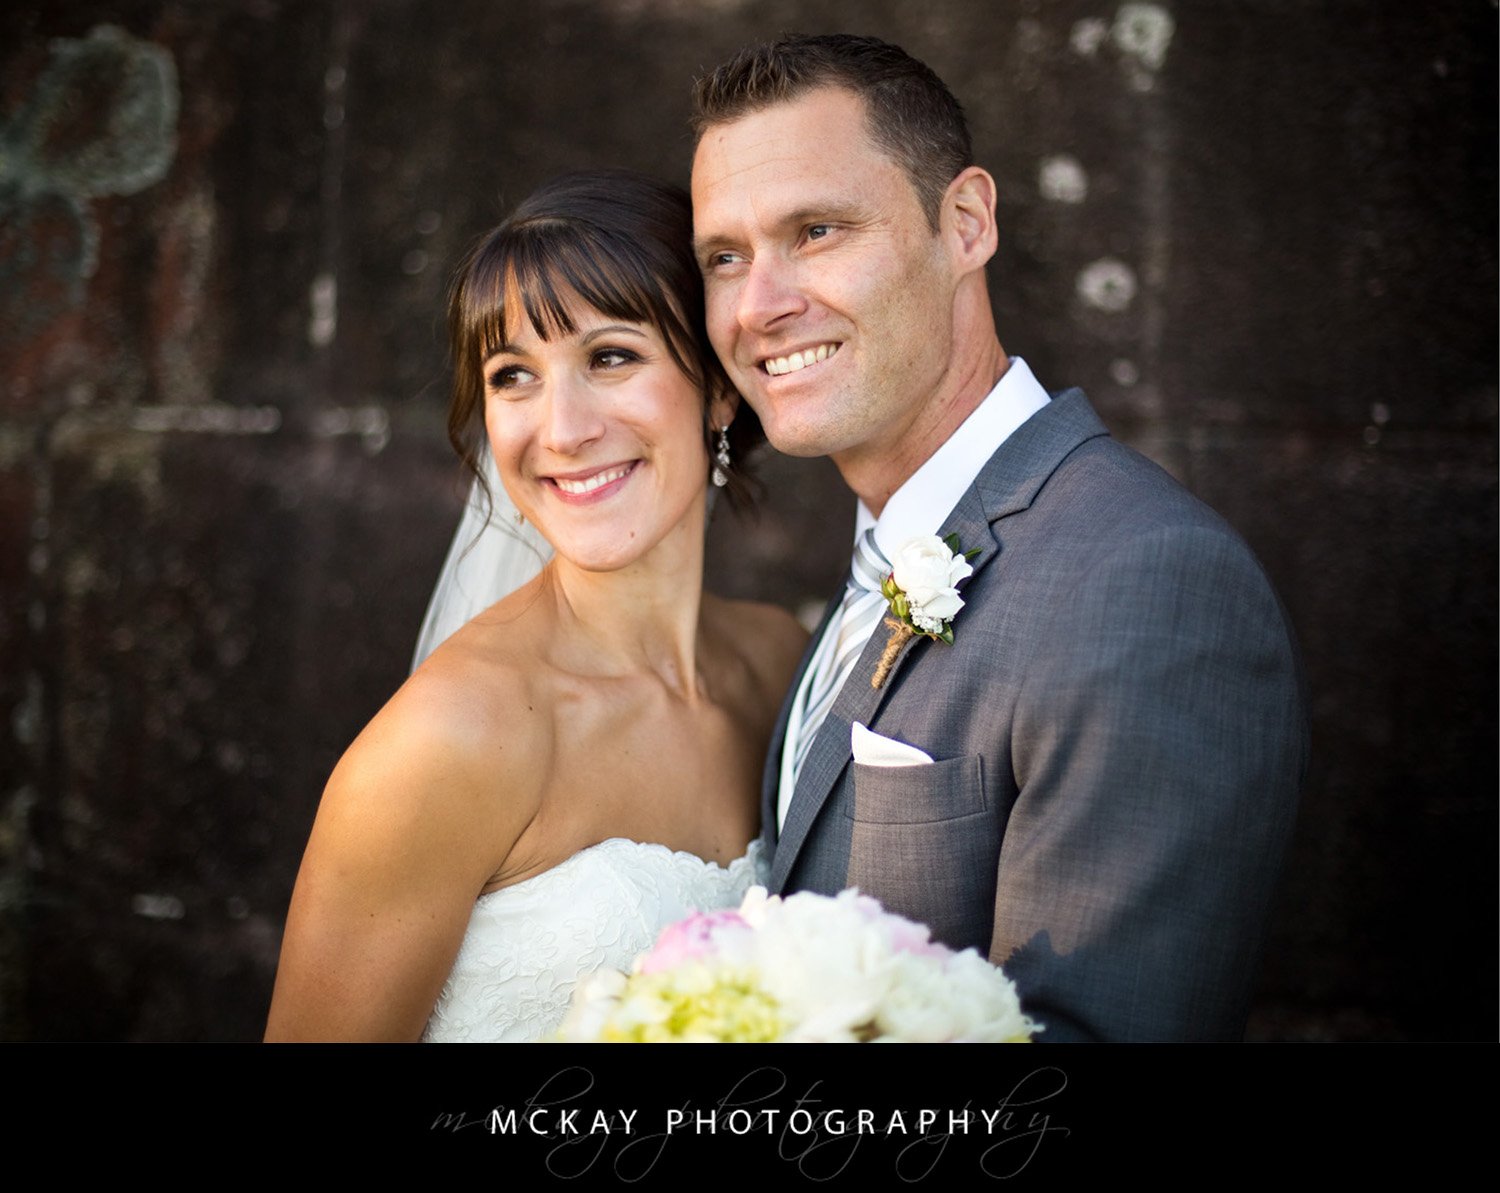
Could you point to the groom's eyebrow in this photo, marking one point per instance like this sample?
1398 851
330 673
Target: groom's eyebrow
832 211
705 246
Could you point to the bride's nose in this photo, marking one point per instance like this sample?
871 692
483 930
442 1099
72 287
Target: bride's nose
572 417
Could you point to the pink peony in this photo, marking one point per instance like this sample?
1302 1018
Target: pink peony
903 935
691 939
909 937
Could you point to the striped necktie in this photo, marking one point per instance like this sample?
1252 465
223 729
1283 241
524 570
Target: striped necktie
860 613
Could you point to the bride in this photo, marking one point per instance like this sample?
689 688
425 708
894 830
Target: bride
580 763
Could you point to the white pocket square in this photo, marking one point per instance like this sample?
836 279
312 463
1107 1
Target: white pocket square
872 749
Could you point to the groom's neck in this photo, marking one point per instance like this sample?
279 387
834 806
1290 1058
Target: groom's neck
876 470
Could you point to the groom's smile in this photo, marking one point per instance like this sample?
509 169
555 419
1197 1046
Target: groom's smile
795 362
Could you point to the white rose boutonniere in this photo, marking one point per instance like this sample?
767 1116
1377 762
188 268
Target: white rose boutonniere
922 592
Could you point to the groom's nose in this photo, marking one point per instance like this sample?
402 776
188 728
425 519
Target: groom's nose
769 293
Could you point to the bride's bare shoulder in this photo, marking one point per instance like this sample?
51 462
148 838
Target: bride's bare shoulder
472 713
453 762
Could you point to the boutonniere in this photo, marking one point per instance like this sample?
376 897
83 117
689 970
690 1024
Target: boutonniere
922 594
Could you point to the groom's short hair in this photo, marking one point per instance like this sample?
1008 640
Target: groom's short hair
909 111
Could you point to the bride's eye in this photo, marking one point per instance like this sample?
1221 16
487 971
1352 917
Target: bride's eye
508 377
613 358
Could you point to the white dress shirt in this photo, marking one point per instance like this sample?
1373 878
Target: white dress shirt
921 504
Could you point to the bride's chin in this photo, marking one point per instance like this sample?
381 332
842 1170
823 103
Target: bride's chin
600 557
606 558
616 543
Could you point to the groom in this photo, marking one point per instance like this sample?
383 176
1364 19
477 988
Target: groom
1094 784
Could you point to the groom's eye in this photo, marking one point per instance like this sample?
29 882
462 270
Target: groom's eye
818 231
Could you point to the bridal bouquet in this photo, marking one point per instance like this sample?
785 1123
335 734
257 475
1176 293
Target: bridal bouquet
802 969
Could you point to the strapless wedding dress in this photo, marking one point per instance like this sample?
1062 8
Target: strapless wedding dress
529 944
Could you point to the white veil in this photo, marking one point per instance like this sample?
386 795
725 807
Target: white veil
492 555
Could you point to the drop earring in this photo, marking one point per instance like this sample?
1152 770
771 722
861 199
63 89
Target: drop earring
720 476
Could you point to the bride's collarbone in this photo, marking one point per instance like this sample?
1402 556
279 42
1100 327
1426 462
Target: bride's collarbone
569 687
647 708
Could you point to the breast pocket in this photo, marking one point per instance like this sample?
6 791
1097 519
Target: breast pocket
917 794
925 841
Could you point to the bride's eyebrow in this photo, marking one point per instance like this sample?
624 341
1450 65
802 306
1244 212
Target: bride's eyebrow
612 329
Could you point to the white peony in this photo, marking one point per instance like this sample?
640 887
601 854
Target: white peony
803 968
594 1000
966 999
816 961
927 572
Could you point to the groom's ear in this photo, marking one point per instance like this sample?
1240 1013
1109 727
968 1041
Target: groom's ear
968 219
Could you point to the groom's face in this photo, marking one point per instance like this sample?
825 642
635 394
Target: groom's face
829 296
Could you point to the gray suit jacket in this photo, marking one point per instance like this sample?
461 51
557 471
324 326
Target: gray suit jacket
1119 736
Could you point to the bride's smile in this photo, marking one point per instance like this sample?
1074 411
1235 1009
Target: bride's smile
587 487
598 435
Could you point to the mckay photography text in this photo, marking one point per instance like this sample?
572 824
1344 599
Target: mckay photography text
575 1128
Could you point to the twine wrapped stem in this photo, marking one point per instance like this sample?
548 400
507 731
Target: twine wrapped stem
901 634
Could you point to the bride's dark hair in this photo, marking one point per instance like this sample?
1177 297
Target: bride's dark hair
620 242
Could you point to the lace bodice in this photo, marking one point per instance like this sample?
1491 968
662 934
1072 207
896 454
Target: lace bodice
527 945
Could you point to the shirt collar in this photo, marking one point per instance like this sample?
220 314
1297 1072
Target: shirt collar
930 493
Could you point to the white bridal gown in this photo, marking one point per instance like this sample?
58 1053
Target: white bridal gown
527 945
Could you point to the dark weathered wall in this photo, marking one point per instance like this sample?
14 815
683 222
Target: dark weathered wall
1261 235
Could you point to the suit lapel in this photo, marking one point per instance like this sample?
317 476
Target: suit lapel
1015 474
1006 486
860 701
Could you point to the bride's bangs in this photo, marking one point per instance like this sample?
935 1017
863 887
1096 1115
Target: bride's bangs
549 267
565 263
479 305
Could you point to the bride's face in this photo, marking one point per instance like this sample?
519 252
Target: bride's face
598 436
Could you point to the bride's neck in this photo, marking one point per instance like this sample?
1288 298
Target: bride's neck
639 618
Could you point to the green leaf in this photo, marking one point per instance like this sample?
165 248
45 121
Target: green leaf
946 635
951 542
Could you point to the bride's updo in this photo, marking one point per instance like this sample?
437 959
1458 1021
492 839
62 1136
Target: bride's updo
619 242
